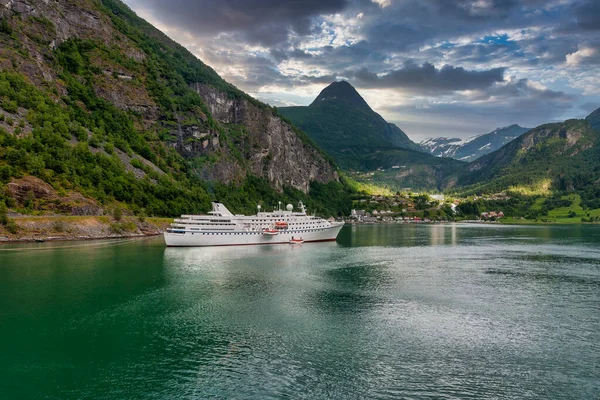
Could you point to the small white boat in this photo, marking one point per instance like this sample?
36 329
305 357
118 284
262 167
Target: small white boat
270 232
296 241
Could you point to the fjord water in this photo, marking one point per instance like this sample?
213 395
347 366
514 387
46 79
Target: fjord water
389 311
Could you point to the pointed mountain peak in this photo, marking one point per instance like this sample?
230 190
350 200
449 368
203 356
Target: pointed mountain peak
341 91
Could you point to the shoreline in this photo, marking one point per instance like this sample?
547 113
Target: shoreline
32 229
497 222
72 239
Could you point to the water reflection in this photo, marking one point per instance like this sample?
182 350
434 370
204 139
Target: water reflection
400 235
457 234
199 255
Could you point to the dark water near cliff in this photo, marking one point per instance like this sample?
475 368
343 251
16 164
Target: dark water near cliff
390 311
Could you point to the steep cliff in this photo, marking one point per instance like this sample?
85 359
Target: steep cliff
271 146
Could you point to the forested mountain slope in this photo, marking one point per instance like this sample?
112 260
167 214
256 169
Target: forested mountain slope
342 123
106 108
560 156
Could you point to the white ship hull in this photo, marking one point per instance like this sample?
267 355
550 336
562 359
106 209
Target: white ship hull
240 238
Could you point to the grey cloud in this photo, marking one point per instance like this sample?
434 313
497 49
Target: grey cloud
551 52
588 15
484 53
280 55
588 107
397 37
297 53
500 105
469 10
520 89
253 72
427 78
259 21
406 26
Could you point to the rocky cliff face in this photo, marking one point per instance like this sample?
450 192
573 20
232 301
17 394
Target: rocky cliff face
272 148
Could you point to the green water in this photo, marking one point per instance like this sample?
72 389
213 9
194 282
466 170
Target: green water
390 311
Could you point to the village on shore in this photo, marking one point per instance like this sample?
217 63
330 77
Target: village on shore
420 208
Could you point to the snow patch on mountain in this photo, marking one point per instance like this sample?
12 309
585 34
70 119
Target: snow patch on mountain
471 148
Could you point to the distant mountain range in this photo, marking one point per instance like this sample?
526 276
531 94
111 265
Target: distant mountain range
474 147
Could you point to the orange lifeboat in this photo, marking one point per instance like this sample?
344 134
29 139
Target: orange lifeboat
281 225
270 232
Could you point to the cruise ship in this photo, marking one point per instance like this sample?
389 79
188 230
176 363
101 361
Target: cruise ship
222 228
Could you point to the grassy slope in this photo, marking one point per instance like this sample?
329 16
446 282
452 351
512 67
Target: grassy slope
558 215
550 163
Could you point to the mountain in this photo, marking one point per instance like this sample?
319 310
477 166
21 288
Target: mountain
594 119
474 147
341 122
558 156
109 111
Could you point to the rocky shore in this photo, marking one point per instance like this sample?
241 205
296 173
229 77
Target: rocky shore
49 228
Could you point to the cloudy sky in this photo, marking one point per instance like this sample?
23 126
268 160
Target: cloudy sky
433 67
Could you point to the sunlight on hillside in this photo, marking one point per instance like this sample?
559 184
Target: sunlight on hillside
368 188
540 188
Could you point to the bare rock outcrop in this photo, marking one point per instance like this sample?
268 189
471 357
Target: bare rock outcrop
275 151
33 192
